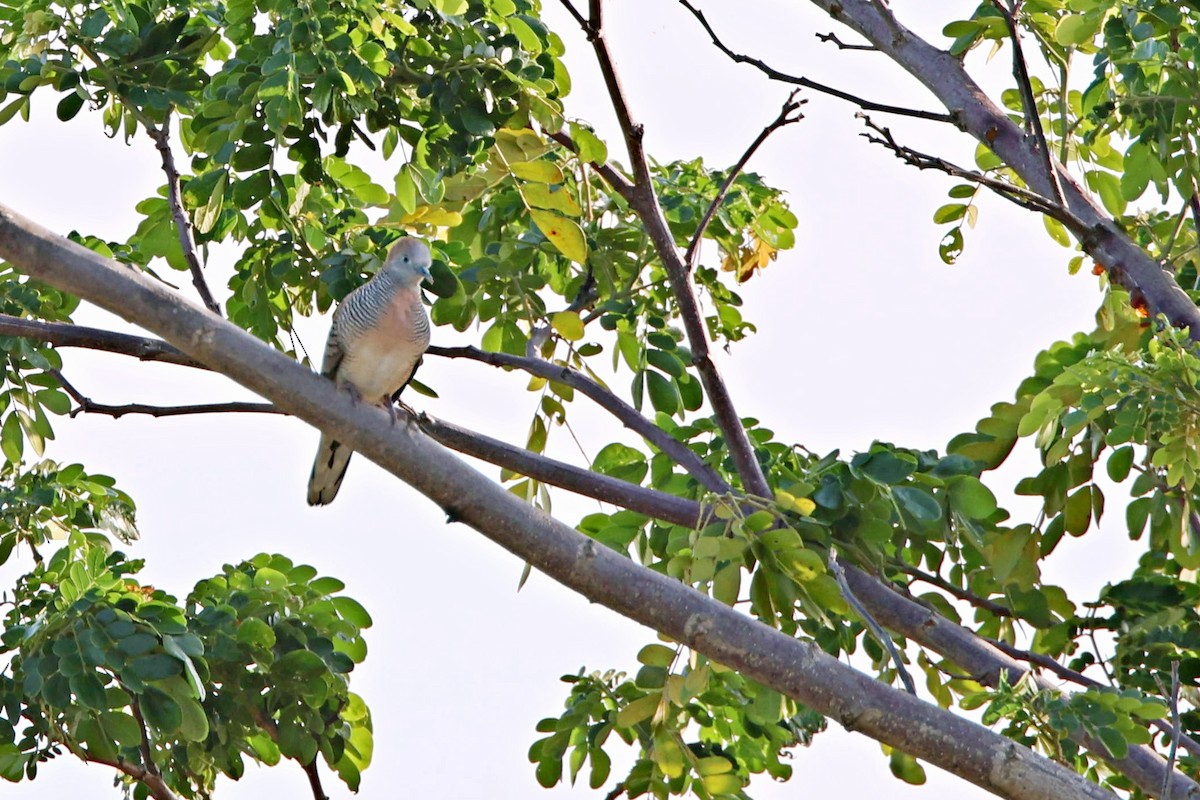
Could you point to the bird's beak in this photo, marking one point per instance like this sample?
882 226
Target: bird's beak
427 274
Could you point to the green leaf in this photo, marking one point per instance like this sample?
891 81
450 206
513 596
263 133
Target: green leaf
1056 230
969 497
69 106
12 442
907 768
1119 463
352 611
918 503
637 711
656 655
663 394
1108 186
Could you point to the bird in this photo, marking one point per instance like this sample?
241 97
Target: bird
378 336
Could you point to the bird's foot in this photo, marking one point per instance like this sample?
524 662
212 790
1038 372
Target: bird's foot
352 390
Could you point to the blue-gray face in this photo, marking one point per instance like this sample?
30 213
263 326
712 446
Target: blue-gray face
409 260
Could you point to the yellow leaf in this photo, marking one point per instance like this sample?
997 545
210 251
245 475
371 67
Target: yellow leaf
540 195
713 765
568 325
668 755
537 171
803 506
563 233
520 144
726 783
432 215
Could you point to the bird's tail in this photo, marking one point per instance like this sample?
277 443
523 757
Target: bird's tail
328 470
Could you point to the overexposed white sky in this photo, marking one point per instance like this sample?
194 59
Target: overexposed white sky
863 334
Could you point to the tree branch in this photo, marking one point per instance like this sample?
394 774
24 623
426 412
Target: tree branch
627 414
154 783
161 136
144 744
797 80
798 669
1016 194
785 118
652 503
990 606
65 334
644 202
944 75
876 629
314 780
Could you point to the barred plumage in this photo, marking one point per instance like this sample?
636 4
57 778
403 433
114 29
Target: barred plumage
378 335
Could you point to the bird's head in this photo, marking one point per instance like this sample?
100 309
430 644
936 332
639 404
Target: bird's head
408 261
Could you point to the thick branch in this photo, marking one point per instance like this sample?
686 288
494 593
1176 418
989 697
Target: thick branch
945 76
627 414
795 668
183 225
644 202
785 118
783 77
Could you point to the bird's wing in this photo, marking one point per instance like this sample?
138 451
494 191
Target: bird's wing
334 352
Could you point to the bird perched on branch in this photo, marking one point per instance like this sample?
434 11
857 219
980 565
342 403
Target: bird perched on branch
378 335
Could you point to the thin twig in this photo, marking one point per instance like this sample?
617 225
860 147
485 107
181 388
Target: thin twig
785 118
798 80
314 780
161 136
155 785
1033 121
1016 194
962 594
574 12
833 38
1175 732
876 629
144 742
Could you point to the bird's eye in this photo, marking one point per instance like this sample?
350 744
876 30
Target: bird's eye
406 259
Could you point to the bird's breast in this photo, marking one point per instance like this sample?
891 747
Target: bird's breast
383 357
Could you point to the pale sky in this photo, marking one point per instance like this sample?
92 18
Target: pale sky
863 334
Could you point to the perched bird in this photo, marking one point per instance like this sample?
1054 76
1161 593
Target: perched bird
379 333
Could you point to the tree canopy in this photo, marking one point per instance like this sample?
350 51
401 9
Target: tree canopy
887 589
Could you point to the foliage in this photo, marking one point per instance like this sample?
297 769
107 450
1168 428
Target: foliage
273 104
